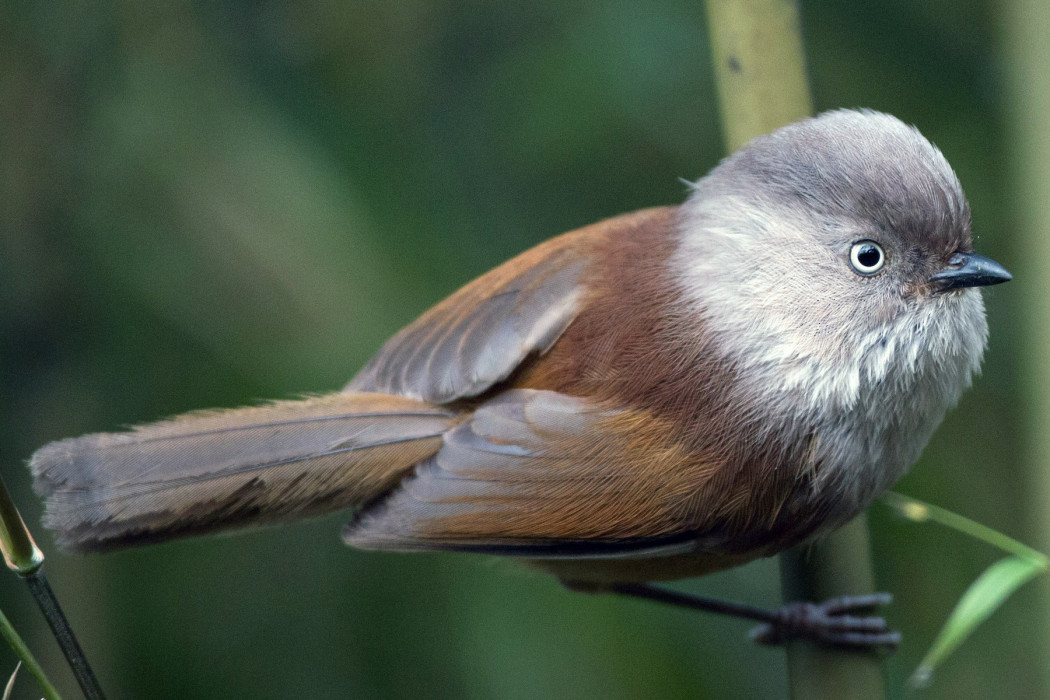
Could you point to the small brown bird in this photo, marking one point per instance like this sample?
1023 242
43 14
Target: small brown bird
656 396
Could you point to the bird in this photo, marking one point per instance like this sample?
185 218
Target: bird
661 395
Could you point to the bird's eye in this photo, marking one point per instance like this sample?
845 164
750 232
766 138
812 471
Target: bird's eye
867 258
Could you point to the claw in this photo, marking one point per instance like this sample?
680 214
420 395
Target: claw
831 624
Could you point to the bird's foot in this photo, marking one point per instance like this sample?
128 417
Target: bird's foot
835 622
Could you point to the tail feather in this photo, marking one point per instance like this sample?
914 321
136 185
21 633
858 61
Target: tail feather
215 470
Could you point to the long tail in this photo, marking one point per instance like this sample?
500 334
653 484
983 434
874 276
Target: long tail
216 470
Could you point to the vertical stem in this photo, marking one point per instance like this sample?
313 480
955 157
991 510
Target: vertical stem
1026 28
761 77
22 556
67 641
759 66
837 565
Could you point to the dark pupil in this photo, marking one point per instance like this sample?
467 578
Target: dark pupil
869 256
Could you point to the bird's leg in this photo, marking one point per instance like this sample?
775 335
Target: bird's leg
832 623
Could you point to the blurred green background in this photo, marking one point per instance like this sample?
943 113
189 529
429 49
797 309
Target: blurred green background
211 203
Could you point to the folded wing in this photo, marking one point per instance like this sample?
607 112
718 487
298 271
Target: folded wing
538 473
478 336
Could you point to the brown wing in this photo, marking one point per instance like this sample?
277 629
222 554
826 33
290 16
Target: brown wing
539 473
478 336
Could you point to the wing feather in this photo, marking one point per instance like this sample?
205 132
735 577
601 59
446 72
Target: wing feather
477 337
538 473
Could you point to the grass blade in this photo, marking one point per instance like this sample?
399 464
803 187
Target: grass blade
988 591
9 688
7 630
997 583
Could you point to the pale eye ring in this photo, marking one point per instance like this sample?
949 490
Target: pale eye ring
867 258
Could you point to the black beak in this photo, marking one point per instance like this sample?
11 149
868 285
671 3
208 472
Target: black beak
969 270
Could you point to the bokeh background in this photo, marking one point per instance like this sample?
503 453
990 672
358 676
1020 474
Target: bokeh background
212 203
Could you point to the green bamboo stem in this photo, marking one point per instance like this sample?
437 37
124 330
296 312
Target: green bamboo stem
759 67
23 557
20 552
1026 26
761 77
836 566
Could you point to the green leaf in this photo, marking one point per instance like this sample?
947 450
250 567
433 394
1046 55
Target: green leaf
997 583
984 596
920 511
